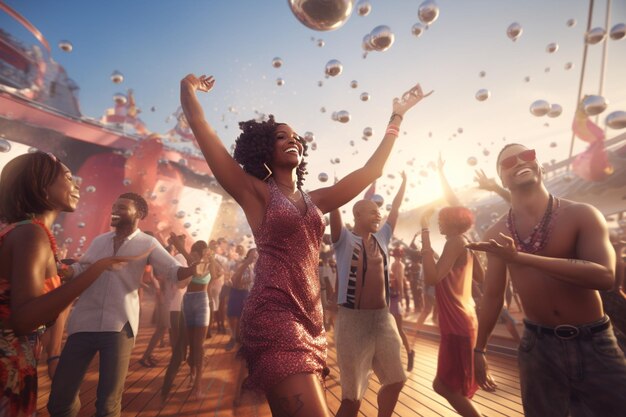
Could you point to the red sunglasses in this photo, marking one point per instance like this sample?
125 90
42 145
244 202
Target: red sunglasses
526 156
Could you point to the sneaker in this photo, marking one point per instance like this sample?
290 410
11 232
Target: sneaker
409 366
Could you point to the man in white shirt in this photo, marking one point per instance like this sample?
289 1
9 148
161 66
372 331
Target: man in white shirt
366 334
105 319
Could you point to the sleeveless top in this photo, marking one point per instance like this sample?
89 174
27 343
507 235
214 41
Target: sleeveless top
18 354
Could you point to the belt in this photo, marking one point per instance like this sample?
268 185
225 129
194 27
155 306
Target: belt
568 331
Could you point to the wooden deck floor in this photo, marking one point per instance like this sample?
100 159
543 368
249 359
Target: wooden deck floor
143 385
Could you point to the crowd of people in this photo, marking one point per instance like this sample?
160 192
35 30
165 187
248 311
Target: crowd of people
281 297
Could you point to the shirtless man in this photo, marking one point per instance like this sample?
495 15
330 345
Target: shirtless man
365 332
559 256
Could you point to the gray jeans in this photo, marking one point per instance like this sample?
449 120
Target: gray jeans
114 349
583 375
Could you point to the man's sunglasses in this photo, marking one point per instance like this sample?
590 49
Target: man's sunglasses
526 156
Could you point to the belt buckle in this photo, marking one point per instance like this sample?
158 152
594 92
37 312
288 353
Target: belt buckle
566 331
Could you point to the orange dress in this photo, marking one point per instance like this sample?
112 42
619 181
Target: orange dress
18 354
458 327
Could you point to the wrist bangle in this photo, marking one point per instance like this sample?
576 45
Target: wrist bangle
52 358
394 115
482 352
425 229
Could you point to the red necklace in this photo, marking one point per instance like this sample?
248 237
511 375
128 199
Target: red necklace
540 235
53 241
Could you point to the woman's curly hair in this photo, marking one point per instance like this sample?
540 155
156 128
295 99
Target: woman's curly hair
459 219
255 146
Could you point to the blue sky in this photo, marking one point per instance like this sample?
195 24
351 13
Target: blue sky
154 44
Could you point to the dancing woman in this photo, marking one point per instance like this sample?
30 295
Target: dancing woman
452 278
283 339
35 188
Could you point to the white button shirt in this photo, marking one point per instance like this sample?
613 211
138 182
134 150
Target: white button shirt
113 300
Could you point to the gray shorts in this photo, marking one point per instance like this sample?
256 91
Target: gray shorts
367 340
584 375
196 309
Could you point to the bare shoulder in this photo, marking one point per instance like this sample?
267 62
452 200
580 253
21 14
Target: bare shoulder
579 212
26 235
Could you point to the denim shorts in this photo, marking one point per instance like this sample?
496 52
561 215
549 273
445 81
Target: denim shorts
196 309
579 370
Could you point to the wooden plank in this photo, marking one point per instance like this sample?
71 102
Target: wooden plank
142 391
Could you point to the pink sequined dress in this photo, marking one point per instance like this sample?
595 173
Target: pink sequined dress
282 330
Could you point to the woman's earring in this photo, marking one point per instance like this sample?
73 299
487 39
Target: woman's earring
269 171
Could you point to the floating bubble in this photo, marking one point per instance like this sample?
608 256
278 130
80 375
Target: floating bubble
547 69
321 43
388 207
5 145
595 35
571 23
568 66
322 177
366 44
418 29
552 47
336 161
363 8
321 15
618 32
428 12
514 31
187 225
333 68
368 132
320 83
120 99
66 46
280 82
180 214
616 120
486 152
555 110
277 62
381 38
126 182
323 110
354 84
343 116
314 146
365 96
553 144
117 77
81 225
593 105
472 161
527 79
482 94
90 189
378 199
539 108
460 130
309 137
482 74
